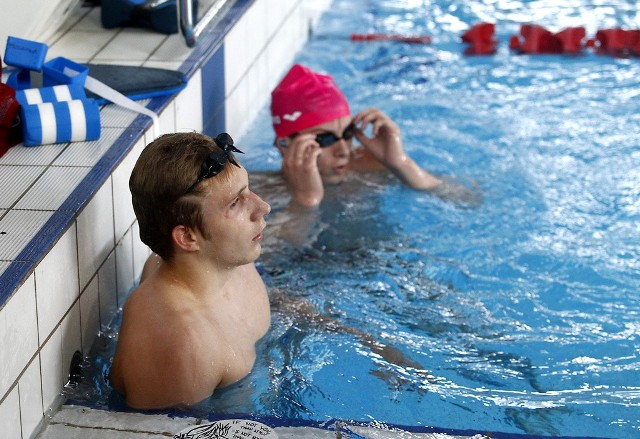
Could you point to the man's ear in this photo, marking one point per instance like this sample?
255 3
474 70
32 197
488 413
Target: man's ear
185 238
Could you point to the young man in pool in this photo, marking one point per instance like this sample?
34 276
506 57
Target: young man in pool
192 323
314 131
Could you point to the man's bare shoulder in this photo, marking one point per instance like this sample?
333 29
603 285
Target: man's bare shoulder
162 358
251 293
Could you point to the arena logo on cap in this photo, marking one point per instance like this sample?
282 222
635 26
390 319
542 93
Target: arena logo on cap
292 117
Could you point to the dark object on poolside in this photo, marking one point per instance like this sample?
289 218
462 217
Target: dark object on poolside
10 130
75 369
159 15
423 39
480 38
538 40
137 82
617 42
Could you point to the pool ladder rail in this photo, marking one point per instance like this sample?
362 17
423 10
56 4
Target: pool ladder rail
190 30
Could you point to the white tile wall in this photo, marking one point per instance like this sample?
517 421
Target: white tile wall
9 412
108 289
188 105
123 214
76 288
89 314
18 334
95 233
140 251
56 279
51 369
124 266
30 388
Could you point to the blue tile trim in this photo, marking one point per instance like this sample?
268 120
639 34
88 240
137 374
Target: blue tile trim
213 91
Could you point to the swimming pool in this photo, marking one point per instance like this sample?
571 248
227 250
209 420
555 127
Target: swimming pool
520 315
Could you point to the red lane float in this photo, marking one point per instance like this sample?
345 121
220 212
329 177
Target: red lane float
480 38
616 42
423 39
538 40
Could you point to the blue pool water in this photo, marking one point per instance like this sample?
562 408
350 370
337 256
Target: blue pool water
519 315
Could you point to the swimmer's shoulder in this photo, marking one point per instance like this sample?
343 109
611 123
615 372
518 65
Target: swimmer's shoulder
362 161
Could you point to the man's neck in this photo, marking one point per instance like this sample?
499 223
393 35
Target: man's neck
203 279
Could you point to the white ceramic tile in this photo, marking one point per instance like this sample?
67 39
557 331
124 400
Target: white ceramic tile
123 212
15 180
10 416
56 279
235 55
18 334
20 227
173 49
140 252
257 29
236 107
131 44
168 65
276 16
3 267
80 46
95 233
112 115
31 398
280 52
91 21
51 369
33 155
89 314
89 153
257 91
189 105
52 188
70 332
73 16
108 290
168 119
124 266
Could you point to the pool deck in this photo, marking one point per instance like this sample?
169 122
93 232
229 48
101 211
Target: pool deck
75 422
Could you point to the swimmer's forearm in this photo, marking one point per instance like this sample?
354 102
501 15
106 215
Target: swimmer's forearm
414 176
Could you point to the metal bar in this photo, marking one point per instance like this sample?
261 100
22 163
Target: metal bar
190 30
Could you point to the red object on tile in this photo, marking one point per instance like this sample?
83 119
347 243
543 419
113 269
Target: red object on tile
423 39
480 38
10 132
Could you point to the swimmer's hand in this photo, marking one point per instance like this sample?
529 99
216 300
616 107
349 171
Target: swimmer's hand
300 169
385 144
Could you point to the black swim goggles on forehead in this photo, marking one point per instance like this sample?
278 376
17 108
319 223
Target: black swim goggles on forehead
215 162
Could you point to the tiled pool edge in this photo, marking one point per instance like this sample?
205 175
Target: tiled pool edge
36 360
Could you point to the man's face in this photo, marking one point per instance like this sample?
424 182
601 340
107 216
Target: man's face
233 219
333 161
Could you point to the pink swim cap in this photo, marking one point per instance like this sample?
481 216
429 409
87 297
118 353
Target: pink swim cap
304 99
